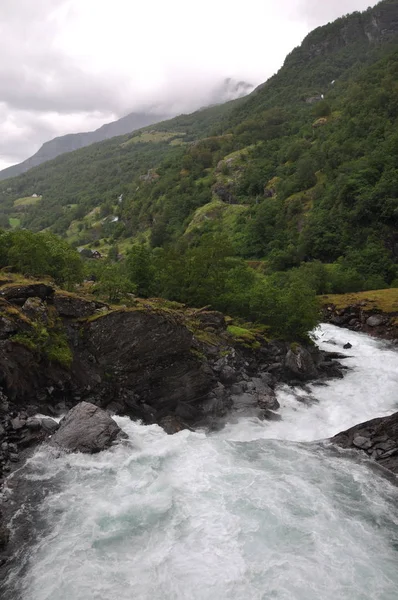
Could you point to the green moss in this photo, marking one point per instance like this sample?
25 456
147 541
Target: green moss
51 343
245 337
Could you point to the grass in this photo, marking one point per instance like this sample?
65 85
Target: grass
384 300
28 201
216 210
14 222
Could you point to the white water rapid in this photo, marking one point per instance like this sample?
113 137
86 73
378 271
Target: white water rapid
247 513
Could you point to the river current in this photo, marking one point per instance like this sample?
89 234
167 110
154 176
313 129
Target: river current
256 511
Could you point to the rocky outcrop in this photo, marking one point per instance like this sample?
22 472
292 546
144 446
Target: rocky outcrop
86 428
362 317
377 438
177 367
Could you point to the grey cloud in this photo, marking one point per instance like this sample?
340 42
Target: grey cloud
318 12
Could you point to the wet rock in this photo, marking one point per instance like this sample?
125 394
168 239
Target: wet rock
347 346
173 424
378 438
362 442
49 425
299 364
269 415
375 320
86 428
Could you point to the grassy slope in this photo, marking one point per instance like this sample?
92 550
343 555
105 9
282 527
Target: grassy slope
383 300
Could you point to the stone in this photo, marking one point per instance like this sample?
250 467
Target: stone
49 425
375 320
7 327
172 425
378 437
269 415
347 346
228 375
35 309
86 428
362 442
18 423
300 364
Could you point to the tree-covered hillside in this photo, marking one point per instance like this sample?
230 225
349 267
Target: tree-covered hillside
302 174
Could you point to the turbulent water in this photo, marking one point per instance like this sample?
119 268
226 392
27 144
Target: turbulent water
252 512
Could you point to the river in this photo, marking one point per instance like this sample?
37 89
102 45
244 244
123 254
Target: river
255 511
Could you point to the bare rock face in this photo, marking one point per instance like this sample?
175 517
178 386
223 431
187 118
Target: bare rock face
86 428
378 438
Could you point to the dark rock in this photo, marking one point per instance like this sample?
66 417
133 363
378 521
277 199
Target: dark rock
173 424
49 425
75 307
375 320
20 293
4 537
18 423
213 319
347 346
86 428
378 438
269 415
300 364
228 375
7 327
35 309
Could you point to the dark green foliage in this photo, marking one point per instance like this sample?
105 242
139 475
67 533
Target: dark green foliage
39 255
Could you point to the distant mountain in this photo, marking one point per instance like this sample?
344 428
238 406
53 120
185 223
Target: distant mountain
229 89
74 141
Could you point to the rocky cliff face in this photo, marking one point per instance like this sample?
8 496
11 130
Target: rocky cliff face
377 24
177 367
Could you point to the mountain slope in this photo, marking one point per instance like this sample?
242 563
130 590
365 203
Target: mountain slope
304 168
74 141
228 90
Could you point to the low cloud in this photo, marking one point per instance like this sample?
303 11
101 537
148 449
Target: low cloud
318 12
72 65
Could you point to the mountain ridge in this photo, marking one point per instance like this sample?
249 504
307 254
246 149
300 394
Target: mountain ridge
229 89
300 170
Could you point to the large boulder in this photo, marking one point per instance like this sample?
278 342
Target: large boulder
86 428
378 438
299 364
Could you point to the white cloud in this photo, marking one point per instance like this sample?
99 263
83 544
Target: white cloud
70 65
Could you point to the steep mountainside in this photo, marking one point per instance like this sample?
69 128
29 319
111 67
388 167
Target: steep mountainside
229 89
74 141
303 169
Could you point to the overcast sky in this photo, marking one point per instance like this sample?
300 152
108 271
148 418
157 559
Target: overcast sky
71 65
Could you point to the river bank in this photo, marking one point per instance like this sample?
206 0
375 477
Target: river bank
251 510
373 312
